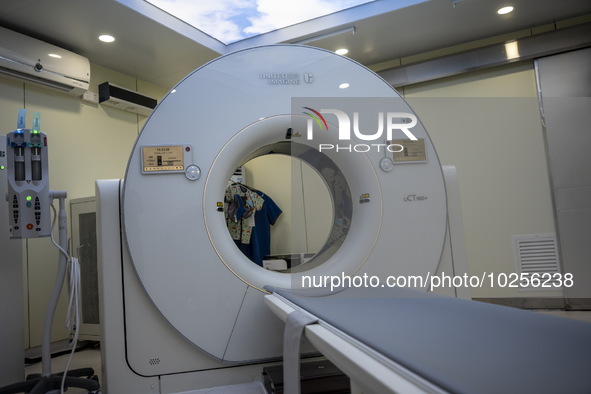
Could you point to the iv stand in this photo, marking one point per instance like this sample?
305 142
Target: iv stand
30 199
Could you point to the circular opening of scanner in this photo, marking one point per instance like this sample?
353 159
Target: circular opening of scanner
267 137
307 214
293 252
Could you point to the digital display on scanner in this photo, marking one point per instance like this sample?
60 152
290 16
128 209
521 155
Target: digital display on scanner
412 151
162 159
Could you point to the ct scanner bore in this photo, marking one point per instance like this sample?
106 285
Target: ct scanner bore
250 103
334 183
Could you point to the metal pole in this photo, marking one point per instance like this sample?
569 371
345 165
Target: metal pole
59 282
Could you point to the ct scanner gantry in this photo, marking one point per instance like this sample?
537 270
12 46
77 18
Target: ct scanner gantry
178 260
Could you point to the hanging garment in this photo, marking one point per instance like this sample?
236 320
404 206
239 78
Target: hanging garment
242 204
260 241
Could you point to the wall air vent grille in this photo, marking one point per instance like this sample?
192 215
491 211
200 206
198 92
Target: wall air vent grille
537 254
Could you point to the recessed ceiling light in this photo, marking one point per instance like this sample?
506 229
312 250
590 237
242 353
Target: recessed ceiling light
344 85
54 55
106 38
505 10
341 51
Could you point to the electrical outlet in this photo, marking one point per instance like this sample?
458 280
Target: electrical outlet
90 97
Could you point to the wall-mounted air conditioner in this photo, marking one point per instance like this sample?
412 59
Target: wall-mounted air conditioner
41 63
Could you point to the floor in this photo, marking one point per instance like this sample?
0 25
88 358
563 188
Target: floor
577 315
89 357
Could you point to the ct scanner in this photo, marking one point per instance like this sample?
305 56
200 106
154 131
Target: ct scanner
182 308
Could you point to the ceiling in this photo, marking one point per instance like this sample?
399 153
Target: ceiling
160 49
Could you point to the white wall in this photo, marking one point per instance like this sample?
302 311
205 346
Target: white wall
85 142
487 124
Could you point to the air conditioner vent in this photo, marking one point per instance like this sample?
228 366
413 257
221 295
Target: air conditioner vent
538 254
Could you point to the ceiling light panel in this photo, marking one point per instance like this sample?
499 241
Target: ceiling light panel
234 20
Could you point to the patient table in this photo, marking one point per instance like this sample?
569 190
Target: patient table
391 340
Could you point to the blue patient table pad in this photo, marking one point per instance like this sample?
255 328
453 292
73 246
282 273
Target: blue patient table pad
461 346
